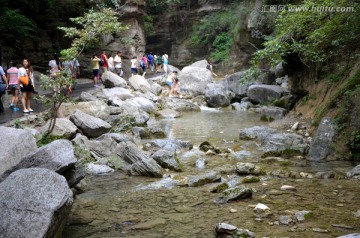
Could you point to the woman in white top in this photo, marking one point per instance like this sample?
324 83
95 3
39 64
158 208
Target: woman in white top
26 90
134 69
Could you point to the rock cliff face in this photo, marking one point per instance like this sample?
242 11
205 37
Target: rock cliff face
174 28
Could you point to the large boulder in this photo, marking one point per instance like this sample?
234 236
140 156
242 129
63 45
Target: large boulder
139 162
63 128
269 111
167 160
181 105
194 79
143 104
15 144
173 145
198 64
321 146
57 156
94 108
34 203
121 93
139 83
234 84
279 70
264 93
130 111
216 95
89 125
111 80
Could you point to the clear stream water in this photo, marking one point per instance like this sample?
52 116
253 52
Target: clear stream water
117 205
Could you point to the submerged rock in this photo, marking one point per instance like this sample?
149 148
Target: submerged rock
236 193
228 230
202 179
34 203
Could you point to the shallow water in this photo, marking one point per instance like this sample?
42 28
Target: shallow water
117 205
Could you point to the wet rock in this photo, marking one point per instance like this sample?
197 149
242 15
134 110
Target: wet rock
257 132
75 175
194 79
240 155
285 220
227 230
111 80
261 210
168 144
168 114
295 127
250 179
34 203
354 173
202 179
218 188
97 109
148 132
306 175
139 83
200 163
139 163
247 168
244 106
167 160
89 125
264 93
118 93
357 214
325 175
15 144
216 95
128 111
319 230
205 146
57 156
271 112
236 193
98 169
321 146
63 128
143 104
181 105
87 97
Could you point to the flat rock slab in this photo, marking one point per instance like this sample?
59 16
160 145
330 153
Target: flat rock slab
89 125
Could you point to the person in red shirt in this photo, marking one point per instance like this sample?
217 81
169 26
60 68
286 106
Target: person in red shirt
104 58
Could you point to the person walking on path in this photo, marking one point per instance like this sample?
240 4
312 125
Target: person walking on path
111 63
165 60
95 68
12 75
55 68
4 85
144 64
150 58
117 64
75 71
26 90
134 70
158 63
105 60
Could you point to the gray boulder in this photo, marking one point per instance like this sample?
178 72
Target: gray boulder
194 79
244 106
321 146
57 156
97 109
167 160
121 93
167 113
264 93
181 105
247 169
139 163
89 125
268 111
228 230
143 104
15 144
236 193
216 95
168 144
98 169
148 132
126 110
234 84
87 97
34 203
198 64
354 173
354 235
111 80
202 179
63 128
156 88
139 83
256 132
279 70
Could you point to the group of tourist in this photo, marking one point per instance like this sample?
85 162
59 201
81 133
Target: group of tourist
18 81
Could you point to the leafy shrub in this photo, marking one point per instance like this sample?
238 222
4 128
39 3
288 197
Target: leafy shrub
354 144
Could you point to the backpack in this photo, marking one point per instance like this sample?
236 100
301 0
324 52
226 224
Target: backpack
142 63
101 62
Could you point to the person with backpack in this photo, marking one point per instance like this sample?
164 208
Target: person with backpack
55 67
12 75
26 79
143 64
95 68
75 71
151 61
104 61
4 85
158 63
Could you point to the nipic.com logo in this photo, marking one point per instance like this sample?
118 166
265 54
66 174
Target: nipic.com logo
292 8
